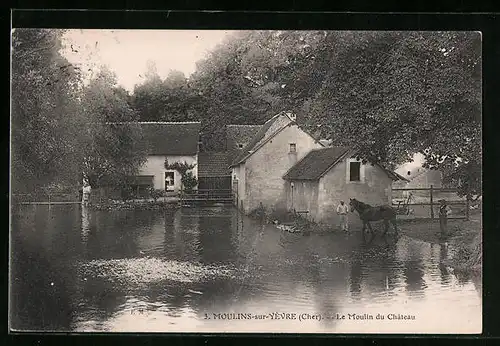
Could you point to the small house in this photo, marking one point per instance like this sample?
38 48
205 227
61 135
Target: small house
325 176
258 168
168 142
418 178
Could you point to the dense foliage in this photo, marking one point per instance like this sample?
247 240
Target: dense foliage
60 127
113 147
44 89
388 94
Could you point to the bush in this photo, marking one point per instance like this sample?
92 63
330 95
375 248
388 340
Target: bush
127 193
189 182
156 193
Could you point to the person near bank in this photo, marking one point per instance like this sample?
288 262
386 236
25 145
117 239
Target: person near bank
342 210
444 212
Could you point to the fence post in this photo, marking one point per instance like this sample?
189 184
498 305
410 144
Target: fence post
432 205
467 216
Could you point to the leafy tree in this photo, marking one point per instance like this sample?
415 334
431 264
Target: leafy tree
114 148
405 93
44 92
165 100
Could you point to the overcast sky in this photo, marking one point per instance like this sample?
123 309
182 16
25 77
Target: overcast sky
127 52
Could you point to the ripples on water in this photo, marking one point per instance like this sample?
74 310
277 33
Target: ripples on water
163 271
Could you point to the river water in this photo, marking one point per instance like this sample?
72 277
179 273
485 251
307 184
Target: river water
214 270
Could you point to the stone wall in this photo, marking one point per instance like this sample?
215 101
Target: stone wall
264 170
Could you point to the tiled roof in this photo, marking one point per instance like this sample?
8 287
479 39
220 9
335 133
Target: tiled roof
213 164
171 138
318 161
239 134
259 136
315 163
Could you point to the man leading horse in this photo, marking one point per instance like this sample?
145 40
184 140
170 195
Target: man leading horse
367 213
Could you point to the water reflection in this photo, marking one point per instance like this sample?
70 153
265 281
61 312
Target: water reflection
85 227
129 271
443 269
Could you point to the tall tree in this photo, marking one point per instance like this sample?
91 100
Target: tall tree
171 99
114 148
403 93
44 98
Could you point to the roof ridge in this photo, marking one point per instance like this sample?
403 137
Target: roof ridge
275 116
154 122
169 122
333 147
243 125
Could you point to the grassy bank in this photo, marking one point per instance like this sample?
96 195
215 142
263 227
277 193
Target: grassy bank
136 204
463 238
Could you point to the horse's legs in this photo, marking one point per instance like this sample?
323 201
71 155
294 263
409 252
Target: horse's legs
364 227
369 227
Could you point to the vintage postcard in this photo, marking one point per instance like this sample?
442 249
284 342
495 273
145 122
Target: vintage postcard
246 181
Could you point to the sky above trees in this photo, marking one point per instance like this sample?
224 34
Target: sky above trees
128 52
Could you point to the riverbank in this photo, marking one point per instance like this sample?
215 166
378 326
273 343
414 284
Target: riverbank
463 240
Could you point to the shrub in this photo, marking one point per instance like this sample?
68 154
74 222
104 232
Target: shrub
156 193
127 193
189 182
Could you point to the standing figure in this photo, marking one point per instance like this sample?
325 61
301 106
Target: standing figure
86 193
342 210
80 192
444 212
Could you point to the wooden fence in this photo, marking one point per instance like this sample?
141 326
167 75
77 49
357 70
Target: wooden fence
423 203
207 195
48 196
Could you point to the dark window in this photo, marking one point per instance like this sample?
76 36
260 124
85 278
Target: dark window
169 181
293 147
355 171
240 146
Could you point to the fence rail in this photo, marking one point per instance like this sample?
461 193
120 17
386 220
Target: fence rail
46 197
207 195
408 200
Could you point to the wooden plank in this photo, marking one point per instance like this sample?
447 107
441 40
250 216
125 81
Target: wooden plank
436 189
409 217
50 203
424 203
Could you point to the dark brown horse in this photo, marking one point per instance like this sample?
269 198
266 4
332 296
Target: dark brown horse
368 213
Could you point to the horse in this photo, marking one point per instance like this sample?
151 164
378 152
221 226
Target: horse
368 213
